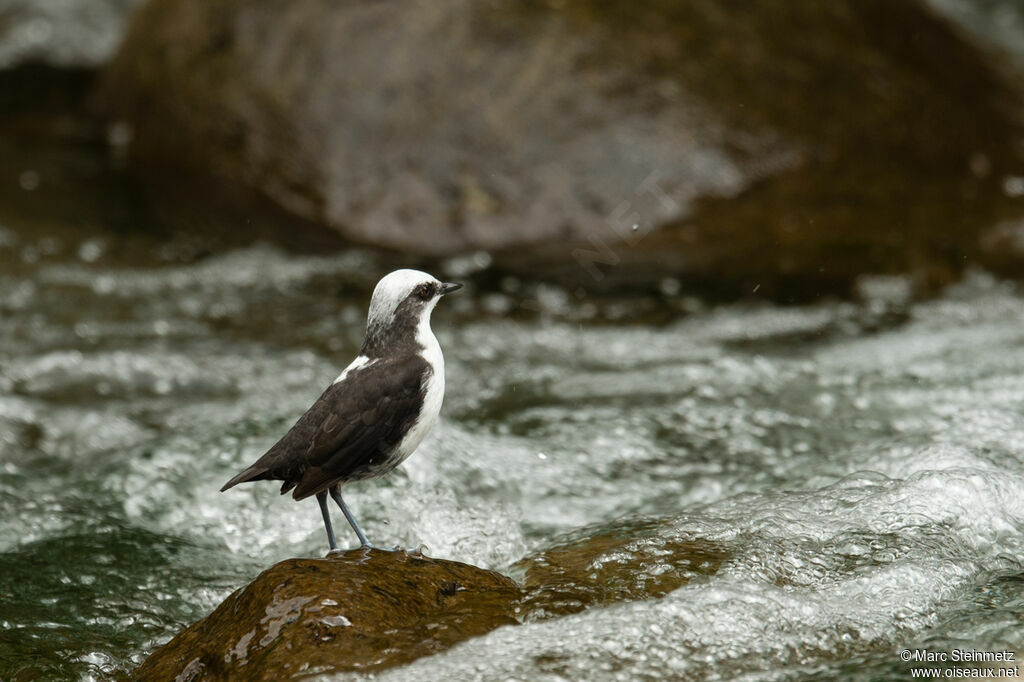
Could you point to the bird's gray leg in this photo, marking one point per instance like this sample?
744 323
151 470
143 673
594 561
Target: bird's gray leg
322 499
336 494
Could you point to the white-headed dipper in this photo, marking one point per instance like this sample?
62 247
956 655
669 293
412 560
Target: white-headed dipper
376 412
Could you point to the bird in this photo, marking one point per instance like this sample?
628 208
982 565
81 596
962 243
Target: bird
378 410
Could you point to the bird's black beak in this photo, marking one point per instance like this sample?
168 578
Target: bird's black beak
449 287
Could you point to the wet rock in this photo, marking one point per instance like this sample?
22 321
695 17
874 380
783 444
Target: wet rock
771 147
374 610
632 561
355 611
80 34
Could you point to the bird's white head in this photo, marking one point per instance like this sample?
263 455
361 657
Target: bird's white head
401 305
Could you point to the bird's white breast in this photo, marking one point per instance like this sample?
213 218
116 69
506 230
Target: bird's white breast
433 394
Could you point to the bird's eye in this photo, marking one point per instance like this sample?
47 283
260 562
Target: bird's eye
424 291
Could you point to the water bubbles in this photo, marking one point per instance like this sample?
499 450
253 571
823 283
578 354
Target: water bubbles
104 284
980 164
497 304
120 134
510 284
553 300
1013 186
670 286
29 255
466 265
29 180
19 296
8 238
91 250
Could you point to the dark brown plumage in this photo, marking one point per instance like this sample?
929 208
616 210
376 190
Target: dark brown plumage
349 432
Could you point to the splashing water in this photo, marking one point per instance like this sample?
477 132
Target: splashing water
767 493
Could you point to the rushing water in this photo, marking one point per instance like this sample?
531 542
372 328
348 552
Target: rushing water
860 466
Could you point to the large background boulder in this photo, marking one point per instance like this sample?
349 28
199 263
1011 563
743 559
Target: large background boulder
768 144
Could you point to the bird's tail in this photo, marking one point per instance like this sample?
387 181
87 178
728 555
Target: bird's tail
253 473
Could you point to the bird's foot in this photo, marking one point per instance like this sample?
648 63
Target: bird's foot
396 548
366 547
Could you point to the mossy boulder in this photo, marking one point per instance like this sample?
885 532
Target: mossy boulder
360 610
370 610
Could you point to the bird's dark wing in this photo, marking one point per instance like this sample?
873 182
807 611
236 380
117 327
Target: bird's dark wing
331 426
365 418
